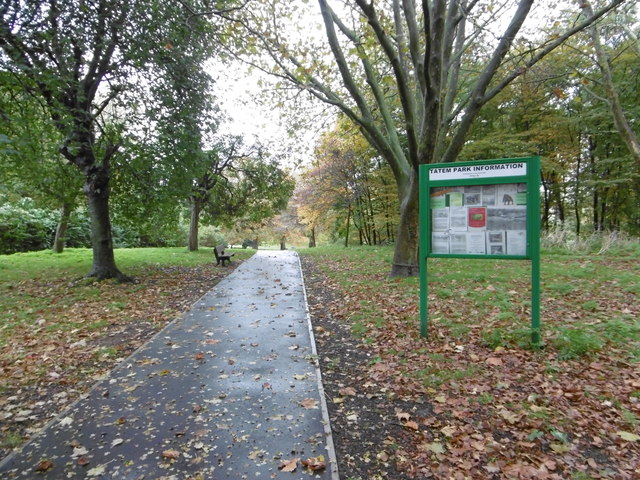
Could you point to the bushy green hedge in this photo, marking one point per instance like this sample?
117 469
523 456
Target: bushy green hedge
24 227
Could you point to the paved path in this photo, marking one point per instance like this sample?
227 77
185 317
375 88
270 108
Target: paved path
228 391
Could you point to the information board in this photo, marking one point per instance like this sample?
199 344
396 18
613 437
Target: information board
482 209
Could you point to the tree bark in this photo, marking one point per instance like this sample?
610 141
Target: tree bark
194 224
96 188
405 256
61 229
576 194
346 239
312 238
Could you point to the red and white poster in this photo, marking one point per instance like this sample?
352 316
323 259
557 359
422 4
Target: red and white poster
477 217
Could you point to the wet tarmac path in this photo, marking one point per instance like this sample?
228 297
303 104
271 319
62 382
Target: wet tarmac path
231 390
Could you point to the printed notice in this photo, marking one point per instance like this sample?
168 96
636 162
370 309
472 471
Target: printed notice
476 243
440 243
458 219
440 218
496 244
507 218
456 199
489 195
473 195
438 201
458 243
477 217
516 242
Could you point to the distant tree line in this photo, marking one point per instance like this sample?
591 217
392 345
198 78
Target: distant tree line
578 108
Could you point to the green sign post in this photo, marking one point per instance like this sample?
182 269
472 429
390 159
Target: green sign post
481 209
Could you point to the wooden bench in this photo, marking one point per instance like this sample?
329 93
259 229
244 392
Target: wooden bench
221 256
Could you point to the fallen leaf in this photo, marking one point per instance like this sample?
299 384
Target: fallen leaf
257 454
78 452
96 471
171 454
435 447
299 377
315 463
347 392
289 465
309 403
66 421
199 356
448 431
560 447
509 416
628 436
411 425
492 468
82 461
116 442
478 446
495 361
44 466
402 416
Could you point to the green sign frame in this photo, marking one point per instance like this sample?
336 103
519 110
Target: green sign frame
479 210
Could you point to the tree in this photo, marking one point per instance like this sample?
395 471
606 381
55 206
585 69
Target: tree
30 161
623 126
348 179
412 77
240 182
79 58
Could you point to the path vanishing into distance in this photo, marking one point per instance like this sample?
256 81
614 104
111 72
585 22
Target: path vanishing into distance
229 390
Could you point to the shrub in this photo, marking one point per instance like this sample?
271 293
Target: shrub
24 227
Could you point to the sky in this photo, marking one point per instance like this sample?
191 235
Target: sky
238 92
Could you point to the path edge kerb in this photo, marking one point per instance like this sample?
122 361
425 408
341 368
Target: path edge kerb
123 365
331 452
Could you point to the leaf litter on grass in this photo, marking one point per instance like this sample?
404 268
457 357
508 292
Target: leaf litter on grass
484 406
60 337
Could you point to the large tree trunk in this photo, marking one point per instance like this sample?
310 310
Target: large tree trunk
61 229
194 224
96 188
405 256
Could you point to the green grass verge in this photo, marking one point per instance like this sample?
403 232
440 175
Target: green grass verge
76 262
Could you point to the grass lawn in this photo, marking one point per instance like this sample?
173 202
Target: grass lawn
569 410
